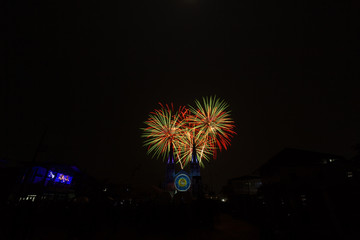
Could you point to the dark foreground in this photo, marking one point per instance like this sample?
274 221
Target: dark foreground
198 220
205 219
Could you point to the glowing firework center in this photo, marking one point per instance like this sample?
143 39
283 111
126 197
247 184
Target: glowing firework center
182 182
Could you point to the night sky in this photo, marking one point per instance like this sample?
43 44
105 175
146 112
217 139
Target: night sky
89 72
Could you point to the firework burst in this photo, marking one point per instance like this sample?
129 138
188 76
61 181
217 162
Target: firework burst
202 130
212 122
163 130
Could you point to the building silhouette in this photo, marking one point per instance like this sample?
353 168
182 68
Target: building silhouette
302 194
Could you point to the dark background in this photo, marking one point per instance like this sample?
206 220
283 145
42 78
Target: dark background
90 72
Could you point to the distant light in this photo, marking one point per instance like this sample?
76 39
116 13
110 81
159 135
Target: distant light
331 159
303 199
31 197
62 178
51 174
224 199
349 174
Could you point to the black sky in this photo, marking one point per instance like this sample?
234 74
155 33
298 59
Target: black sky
90 72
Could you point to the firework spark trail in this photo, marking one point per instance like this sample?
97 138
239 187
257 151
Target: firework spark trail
189 142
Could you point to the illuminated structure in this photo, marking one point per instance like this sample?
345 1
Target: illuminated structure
194 165
182 181
44 181
49 175
195 176
170 172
